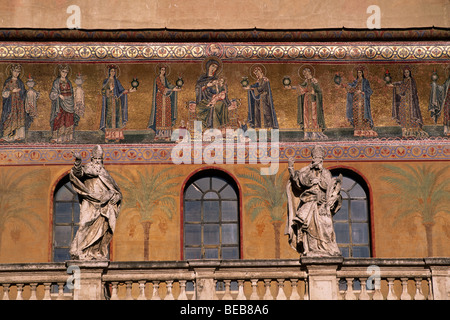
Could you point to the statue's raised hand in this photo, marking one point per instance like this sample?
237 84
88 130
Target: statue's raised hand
76 155
291 162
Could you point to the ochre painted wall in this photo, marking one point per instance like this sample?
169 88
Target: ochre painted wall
29 239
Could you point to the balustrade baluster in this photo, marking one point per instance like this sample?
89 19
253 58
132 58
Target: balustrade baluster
182 295
155 295
294 292
142 290
128 295
5 291
377 295
169 295
241 295
419 295
281 295
19 287
254 295
349 294
215 290
47 295
33 287
405 295
60 291
268 294
391 294
227 295
363 295
114 287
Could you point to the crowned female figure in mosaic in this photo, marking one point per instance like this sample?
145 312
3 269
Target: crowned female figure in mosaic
63 118
261 110
405 106
211 96
440 101
164 105
310 116
15 120
358 110
114 115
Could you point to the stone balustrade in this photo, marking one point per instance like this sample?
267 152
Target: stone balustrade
41 281
385 279
333 278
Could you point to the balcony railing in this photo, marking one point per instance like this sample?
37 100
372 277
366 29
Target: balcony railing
304 279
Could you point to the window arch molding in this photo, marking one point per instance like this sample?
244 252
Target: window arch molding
362 181
218 172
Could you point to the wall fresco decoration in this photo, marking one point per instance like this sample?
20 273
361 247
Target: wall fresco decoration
59 93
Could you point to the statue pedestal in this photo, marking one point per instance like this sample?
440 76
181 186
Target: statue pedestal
323 284
440 275
204 272
87 278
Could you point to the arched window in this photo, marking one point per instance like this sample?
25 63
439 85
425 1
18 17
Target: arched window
211 217
352 221
66 219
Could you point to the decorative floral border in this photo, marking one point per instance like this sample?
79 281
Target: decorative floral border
422 150
79 52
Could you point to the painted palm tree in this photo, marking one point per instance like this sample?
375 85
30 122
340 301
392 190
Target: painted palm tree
267 194
151 193
15 186
419 191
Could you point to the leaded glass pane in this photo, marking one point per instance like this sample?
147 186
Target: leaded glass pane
342 214
63 212
228 193
63 194
360 233
192 234
212 253
211 234
229 234
193 253
211 195
193 193
76 213
211 211
63 236
230 253
192 211
229 210
347 183
218 183
361 252
342 232
61 254
204 184
357 192
345 252
359 210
